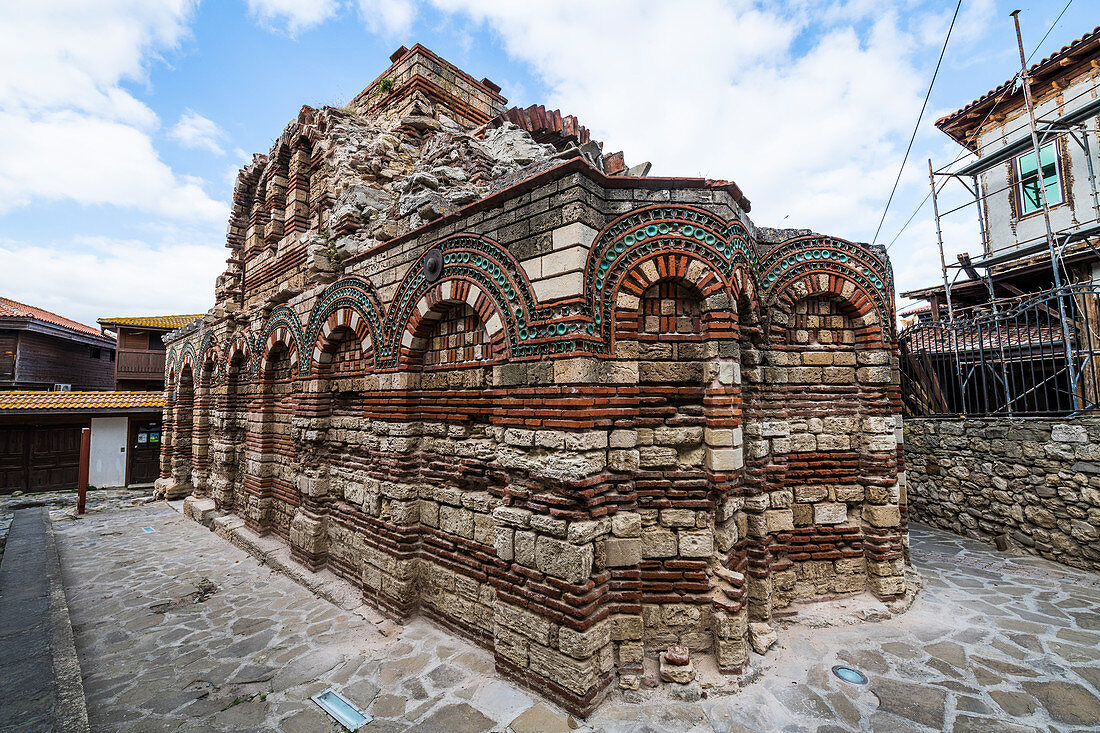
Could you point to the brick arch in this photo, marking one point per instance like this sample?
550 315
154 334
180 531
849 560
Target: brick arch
278 336
431 308
852 299
357 304
676 236
341 319
717 300
244 193
187 360
300 168
478 261
274 191
239 345
283 327
210 352
819 265
257 214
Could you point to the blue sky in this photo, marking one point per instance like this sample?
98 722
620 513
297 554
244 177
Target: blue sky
126 120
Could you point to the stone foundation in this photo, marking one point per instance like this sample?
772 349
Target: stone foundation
1032 483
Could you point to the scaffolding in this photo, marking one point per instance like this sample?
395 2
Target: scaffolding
953 331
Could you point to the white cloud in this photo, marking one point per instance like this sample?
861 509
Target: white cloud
92 277
389 17
297 15
71 131
807 105
72 54
198 132
73 156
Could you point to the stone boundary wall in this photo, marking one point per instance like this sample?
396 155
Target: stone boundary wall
1033 482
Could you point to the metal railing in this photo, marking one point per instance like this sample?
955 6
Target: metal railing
1035 356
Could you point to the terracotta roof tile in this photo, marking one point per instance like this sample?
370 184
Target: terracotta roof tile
1007 87
14 309
79 400
169 322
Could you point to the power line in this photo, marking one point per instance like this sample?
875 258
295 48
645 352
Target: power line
964 150
1041 40
919 118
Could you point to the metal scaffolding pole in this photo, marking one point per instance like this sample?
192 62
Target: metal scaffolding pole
1054 255
946 286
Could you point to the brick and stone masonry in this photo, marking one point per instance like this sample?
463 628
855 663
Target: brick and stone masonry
1029 483
490 374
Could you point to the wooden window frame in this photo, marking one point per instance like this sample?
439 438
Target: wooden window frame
1018 179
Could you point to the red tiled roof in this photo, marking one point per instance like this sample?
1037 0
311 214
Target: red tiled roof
13 309
968 339
1057 60
545 126
79 400
915 308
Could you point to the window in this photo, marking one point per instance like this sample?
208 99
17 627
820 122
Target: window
96 353
1027 176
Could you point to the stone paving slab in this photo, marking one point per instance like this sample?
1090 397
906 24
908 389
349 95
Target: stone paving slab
993 643
59 501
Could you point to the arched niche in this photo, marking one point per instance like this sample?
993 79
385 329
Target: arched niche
677 330
183 426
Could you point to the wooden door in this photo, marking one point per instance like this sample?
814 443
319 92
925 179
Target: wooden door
54 457
14 458
144 451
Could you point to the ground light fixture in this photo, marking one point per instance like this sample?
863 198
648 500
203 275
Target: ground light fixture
852 676
341 709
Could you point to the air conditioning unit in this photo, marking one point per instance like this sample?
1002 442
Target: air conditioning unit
63 388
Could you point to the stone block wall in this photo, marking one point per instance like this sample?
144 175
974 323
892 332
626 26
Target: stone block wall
577 418
1031 482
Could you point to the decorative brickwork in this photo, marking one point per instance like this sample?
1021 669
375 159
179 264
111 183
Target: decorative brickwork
574 416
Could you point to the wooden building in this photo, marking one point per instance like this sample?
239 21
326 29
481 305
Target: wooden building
56 377
1013 258
42 350
139 364
1014 327
40 438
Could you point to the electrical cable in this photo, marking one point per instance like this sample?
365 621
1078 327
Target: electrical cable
920 117
964 151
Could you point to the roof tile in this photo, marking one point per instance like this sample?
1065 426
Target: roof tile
79 400
14 309
169 322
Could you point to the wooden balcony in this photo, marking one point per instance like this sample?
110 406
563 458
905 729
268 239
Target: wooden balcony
139 364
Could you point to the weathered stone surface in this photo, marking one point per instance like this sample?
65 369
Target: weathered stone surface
563 560
762 637
1066 702
1008 481
678 673
541 719
919 703
623 552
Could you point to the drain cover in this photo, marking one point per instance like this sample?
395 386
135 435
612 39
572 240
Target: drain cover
850 675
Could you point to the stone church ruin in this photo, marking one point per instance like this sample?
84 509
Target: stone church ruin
468 361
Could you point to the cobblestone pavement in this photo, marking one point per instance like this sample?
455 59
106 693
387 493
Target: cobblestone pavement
177 629
98 500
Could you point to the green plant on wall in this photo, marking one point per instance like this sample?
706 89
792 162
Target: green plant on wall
385 85
331 252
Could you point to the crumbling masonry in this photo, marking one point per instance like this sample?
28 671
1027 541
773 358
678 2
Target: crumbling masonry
490 374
